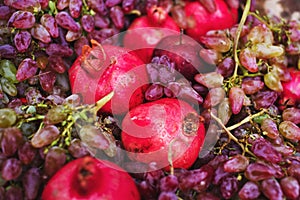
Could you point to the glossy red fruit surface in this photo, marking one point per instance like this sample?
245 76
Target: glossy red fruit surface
89 178
103 69
201 21
291 89
146 31
167 127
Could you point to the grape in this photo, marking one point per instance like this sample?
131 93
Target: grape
56 63
44 4
292 115
210 80
101 21
64 20
93 137
270 127
33 96
78 44
220 174
210 56
214 97
168 183
31 183
289 130
271 189
11 141
237 163
26 153
39 32
27 69
7 51
54 160
45 136
59 50
128 5
236 99
75 7
228 187
272 81
98 6
248 60
14 193
259 171
77 149
260 34
218 43
72 36
167 196
48 21
252 85
11 169
88 23
117 16
8 87
22 40
62 4
8 117
22 19
154 92
290 187
249 191
224 111
47 79
264 150
5 12
264 99
8 70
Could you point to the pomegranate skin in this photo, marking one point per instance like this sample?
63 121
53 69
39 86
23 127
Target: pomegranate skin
89 178
200 21
125 74
291 89
143 35
150 130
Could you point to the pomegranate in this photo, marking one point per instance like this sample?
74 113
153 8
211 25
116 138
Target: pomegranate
102 69
89 178
146 31
200 20
291 91
162 130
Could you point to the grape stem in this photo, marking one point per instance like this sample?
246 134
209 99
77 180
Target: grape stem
237 38
231 136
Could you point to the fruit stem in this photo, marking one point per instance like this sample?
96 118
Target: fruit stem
247 119
231 136
237 38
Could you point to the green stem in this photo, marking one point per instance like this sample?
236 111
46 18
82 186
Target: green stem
237 38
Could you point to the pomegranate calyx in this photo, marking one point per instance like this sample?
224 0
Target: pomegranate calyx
157 14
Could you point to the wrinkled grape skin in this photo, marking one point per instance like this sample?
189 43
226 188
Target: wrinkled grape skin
48 21
289 130
22 19
271 189
292 115
45 136
264 99
66 21
22 40
249 191
252 85
264 150
258 172
228 187
290 187
270 127
237 163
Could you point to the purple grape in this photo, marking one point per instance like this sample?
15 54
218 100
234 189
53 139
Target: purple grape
111 3
228 187
98 6
14 193
27 69
219 175
62 4
226 67
22 40
44 4
128 5
77 149
264 99
47 79
57 64
64 20
237 163
259 171
75 7
271 189
101 21
54 160
72 36
59 50
48 21
22 19
26 153
78 44
117 16
167 196
88 23
23 4
249 191
154 92
5 12
290 187
168 183
39 32
31 183
264 150
45 136
7 51
11 169
11 140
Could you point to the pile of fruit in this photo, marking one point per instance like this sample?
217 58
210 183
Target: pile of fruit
148 99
